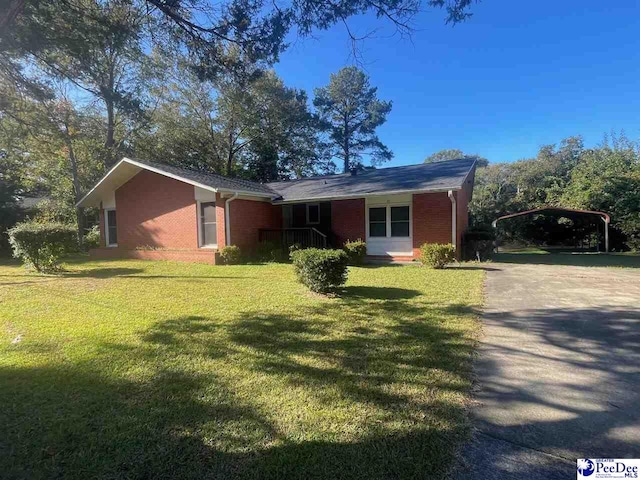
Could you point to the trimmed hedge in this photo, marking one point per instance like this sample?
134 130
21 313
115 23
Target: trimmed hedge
42 245
294 247
231 255
437 255
320 270
356 251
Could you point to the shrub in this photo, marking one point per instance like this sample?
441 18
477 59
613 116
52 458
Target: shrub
437 255
42 245
92 238
356 251
294 247
477 244
231 255
320 270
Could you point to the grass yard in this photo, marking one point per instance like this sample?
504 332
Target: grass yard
157 370
543 257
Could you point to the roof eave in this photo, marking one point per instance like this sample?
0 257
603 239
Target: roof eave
170 175
104 177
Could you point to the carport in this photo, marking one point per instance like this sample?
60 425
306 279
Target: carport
570 213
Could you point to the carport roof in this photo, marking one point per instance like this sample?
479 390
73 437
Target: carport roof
555 210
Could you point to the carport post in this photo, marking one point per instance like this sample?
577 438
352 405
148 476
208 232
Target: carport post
606 234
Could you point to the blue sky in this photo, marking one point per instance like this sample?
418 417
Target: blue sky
517 75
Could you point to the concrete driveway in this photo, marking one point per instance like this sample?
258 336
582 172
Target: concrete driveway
558 372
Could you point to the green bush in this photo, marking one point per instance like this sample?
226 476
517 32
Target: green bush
437 255
231 255
356 251
320 270
294 247
42 245
92 238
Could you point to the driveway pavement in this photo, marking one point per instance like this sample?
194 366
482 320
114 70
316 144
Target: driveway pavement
558 372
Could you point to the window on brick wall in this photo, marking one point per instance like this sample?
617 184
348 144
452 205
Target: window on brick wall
208 226
390 221
400 221
112 228
378 222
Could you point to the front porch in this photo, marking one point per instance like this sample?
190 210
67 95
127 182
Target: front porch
384 222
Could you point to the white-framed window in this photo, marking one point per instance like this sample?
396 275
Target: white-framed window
377 221
110 227
399 219
390 221
313 213
208 228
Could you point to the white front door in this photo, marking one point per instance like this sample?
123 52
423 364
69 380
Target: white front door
389 225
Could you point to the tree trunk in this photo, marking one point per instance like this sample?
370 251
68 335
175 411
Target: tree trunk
230 154
110 138
345 147
107 90
73 163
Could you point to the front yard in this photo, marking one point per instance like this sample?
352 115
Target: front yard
156 370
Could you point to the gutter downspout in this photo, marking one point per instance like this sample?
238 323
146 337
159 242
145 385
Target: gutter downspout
454 239
227 219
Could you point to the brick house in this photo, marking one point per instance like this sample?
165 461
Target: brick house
155 211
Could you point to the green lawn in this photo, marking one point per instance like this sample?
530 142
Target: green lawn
542 257
159 370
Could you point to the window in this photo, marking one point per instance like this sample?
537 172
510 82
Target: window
112 228
378 222
400 221
390 221
208 227
313 213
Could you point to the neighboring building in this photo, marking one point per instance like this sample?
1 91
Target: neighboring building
156 211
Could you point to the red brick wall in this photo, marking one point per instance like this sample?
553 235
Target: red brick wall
247 217
431 219
347 220
220 225
157 211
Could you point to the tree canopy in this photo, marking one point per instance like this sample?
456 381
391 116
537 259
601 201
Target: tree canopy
454 154
350 111
189 82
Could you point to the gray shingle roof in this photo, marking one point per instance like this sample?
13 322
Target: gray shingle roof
213 179
423 177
